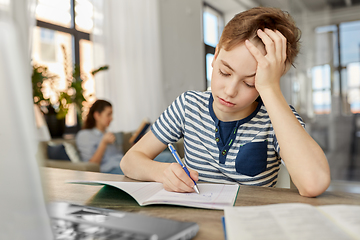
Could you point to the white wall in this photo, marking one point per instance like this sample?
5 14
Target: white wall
155 52
182 47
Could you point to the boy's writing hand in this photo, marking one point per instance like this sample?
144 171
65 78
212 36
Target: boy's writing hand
271 66
175 179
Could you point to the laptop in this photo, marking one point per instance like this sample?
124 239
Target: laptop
24 213
70 221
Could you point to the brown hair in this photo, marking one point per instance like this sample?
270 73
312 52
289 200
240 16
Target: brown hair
98 106
245 25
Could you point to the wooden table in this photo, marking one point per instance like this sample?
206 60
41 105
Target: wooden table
56 189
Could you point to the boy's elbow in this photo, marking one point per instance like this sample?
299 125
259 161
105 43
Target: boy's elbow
316 186
124 164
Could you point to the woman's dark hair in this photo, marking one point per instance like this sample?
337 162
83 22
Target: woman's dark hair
98 106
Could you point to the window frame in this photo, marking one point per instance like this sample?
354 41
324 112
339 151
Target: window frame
322 89
76 34
338 68
207 48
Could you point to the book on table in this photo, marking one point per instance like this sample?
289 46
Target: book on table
295 221
212 196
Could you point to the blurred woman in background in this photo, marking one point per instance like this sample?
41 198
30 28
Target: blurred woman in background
97 145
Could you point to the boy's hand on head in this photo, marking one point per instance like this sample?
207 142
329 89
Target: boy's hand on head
272 66
175 179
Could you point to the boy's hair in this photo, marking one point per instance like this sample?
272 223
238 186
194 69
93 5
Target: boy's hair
98 106
245 25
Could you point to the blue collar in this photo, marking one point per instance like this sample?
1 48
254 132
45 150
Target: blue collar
225 146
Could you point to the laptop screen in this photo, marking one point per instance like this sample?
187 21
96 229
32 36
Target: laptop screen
23 214
72 221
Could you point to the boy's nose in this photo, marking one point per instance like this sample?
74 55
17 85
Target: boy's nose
231 89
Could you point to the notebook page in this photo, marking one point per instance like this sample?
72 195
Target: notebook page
218 195
346 216
212 196
290 221
140 191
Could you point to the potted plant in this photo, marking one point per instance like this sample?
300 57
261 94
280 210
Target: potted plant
75 91
55 122
55 112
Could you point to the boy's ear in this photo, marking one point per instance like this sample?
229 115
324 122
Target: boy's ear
215 55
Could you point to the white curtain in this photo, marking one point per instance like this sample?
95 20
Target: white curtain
23 214
126 37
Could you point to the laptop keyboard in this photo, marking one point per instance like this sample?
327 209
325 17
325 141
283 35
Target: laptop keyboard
67 230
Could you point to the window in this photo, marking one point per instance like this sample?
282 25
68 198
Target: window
353 86
62 39
86 53
57 12
338 73
350 62
212 27
48 51
321 89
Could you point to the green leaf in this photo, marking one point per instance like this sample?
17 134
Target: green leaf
105 67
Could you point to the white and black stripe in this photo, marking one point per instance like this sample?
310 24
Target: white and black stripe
189 117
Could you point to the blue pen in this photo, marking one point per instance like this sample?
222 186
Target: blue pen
177 158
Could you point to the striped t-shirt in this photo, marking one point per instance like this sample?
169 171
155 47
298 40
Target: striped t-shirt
250 156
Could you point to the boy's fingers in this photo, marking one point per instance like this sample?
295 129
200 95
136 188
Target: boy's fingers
181 174
278 43
284 44
255 51
194 175
170 186
176 185
268 41
178 179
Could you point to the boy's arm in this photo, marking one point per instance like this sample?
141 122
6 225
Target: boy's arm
138 164
304 159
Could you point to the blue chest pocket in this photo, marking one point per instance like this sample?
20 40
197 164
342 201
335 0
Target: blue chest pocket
252 158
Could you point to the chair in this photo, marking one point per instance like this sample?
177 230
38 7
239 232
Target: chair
284 179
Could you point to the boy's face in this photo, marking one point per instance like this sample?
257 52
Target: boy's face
233 82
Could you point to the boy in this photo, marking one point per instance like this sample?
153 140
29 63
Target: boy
240 131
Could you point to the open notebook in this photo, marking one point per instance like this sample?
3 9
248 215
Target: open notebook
212 196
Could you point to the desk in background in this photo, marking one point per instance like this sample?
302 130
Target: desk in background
56 189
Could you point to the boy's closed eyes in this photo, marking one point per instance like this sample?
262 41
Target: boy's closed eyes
226 70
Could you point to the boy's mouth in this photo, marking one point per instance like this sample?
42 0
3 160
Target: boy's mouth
226 103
